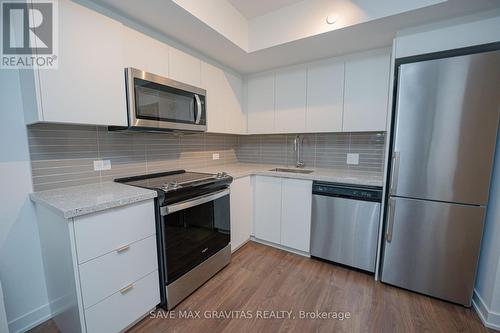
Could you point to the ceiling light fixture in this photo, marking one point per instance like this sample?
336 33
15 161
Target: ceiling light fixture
331 19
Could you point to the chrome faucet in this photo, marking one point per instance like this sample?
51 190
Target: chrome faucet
297 147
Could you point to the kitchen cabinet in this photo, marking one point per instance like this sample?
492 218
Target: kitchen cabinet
224 100
184 67
241 211
296 197
88 87
366 93
268 209
102 267
260 104
325 96
291 100
145 53
282 211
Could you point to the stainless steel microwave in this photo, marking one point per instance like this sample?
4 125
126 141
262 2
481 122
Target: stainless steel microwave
158 103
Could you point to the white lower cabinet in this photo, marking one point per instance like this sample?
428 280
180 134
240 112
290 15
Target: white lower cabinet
241 211
296 197
123 308
282 212
106 287
268 209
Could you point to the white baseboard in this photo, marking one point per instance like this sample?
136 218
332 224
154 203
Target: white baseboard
281 247
31 319
489 318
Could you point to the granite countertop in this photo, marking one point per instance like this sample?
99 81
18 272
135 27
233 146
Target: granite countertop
74 201
238 170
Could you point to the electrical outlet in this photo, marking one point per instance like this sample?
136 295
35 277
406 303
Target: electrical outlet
353 159
215 156
106 165
98 165
102 165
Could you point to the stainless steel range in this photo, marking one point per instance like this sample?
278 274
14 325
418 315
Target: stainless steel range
193 228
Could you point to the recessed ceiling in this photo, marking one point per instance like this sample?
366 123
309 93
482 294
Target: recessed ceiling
168 19
254 8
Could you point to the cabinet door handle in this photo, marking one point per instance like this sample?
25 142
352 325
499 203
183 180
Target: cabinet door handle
122 248
127 288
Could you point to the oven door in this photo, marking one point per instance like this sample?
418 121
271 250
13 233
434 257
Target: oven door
156 102
193 231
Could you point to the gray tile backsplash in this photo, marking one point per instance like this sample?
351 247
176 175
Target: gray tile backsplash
63 155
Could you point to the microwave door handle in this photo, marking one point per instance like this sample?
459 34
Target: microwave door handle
198 108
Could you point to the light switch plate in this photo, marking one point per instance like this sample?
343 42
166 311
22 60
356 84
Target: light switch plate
215 156
102 165
353 159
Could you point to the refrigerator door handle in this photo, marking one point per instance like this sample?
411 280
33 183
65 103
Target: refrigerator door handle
390 220
395 172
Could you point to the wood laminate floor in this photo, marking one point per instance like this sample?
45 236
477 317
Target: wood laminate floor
261 278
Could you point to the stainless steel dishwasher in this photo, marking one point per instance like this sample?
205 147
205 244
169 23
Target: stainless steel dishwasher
345 223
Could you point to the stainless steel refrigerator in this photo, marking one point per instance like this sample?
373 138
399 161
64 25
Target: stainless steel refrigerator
443 143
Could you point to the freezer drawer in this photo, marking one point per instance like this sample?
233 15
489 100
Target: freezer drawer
345 231
433 247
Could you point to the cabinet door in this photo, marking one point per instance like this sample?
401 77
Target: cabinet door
366 93
260 101
89 85
235 116
296 197
212 80
143 52
325 96
184 67
291 100
241 211
267 213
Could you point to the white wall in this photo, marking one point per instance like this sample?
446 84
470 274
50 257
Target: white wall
21 268
487 291
308 18
465 31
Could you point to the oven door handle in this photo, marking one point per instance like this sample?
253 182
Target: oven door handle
166 210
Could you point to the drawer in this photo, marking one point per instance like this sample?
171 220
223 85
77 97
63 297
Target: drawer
107 274
121 309
99 233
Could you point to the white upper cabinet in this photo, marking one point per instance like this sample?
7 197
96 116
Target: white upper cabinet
184 67
291 100
211 80
89 85
224 100
366 93
260 104
325 96
236 121
145 53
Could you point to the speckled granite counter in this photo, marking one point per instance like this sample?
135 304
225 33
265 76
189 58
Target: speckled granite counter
238 170
85 199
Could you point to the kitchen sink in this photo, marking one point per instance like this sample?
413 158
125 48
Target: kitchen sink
291 170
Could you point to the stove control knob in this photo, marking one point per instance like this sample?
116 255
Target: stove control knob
173 185
221 174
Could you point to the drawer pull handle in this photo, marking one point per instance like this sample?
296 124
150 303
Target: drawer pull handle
123 248
127 288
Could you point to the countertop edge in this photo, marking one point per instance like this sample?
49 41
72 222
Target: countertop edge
89 209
